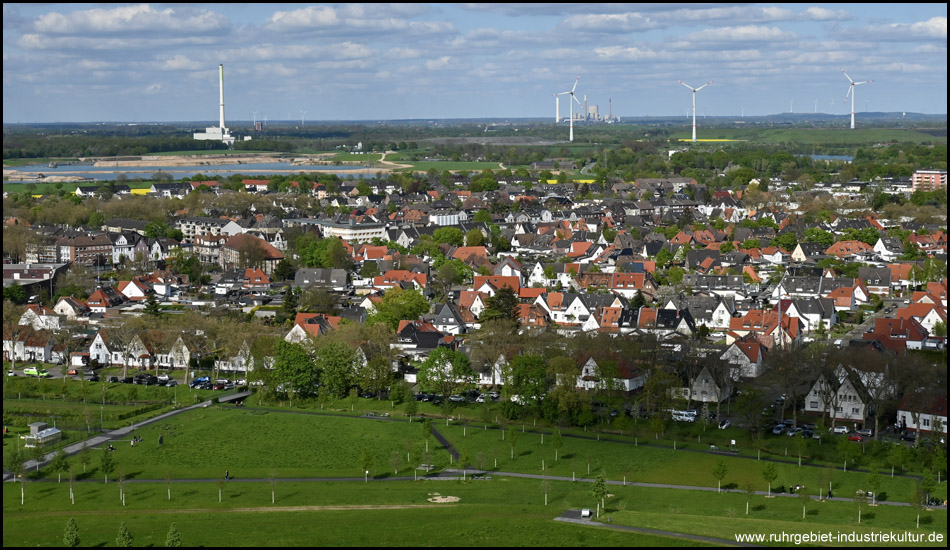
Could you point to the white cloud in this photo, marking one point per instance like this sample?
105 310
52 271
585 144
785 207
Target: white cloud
618 53
822 14
132 19
440 63
349 17
610 22
933 28
182 63
745 33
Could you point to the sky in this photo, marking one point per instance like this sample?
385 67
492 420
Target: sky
159 62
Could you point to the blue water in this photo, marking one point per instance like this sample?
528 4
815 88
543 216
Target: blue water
178 172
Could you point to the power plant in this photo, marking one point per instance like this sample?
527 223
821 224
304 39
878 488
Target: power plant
219 132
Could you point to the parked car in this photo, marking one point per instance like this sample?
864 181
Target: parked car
856 437
11 373
839 430
725 424
113 379
171 383
164 376
73 371
480 399
796 431
866 432
779 429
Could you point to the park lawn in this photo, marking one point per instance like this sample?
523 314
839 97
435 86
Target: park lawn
723 515
203 443
651 464
367 158
502 512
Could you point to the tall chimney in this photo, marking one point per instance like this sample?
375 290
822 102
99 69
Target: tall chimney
221 92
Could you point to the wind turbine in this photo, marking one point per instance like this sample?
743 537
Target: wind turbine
573 99
694 102
302 113
851 93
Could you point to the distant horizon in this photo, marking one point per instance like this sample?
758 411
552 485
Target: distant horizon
542 120
159 62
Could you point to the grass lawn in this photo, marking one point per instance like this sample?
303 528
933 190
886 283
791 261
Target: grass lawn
723 515
652 464
502 512
202 444
367 158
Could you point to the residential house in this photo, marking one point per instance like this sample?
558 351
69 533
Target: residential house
746 356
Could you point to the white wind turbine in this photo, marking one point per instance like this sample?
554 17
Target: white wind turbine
557 105
302 113
694 102
851 93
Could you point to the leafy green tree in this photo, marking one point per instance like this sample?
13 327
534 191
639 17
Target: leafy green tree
152 307
445 372
124 538
71 534
769 474
376 375
397 305
284 271
503 305
106 464
474 237
449 235
482 216
511 435
337 364
60 463
294 369
719 472
820 236
528 378
173 538
599 490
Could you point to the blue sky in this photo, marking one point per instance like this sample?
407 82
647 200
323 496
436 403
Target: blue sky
158 62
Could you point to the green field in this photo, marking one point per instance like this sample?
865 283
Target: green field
723 515
498 512
202 444
488 513
654 465
815 136
295 447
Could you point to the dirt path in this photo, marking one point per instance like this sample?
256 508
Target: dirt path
252 510
382 160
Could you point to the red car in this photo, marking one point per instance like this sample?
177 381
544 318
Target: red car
856 437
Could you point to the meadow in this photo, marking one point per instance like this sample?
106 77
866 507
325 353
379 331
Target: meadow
281 459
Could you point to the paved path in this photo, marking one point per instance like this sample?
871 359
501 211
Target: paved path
574 516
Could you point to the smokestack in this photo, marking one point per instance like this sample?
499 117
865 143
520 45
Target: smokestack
221 92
